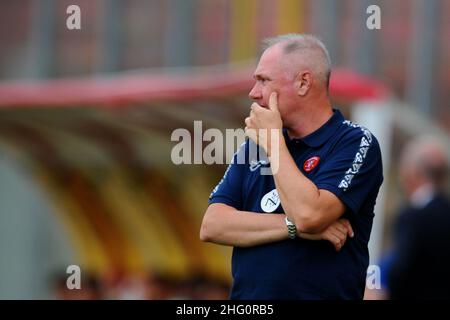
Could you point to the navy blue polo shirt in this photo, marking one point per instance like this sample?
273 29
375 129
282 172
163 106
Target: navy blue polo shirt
341 157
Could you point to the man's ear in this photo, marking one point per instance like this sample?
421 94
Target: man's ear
303 82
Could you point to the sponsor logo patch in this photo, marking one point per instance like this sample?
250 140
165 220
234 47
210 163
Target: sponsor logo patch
270 201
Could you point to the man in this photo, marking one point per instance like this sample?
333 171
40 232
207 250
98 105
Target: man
421 255
325 169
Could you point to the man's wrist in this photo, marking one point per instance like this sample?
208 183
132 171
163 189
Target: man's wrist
292 229
274 144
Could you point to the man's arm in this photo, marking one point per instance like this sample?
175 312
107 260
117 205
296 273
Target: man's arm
222 224
310 208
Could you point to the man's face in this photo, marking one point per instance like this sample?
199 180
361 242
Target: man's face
271 75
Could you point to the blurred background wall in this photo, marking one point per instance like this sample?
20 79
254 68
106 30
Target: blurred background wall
409 52
91 182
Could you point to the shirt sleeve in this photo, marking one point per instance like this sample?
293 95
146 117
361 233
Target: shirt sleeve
229 189
354 170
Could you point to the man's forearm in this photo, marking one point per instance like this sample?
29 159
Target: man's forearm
225 225
299 196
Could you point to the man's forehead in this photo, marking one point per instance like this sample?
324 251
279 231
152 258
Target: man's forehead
268 62
271 54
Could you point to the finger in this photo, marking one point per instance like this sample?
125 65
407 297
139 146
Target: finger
341 227
247 122
344 223
336 243
341 236
254 110
349 228
255 107
273 101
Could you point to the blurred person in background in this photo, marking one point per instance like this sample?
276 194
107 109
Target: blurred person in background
421 255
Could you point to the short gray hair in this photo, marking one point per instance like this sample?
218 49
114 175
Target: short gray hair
294 42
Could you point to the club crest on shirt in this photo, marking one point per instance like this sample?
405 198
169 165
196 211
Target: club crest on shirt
270 201
311 163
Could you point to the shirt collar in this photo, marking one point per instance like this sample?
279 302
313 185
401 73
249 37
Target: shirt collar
323 134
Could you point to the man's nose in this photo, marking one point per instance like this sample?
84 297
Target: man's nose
255 93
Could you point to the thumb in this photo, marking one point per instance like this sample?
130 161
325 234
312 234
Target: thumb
273 101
